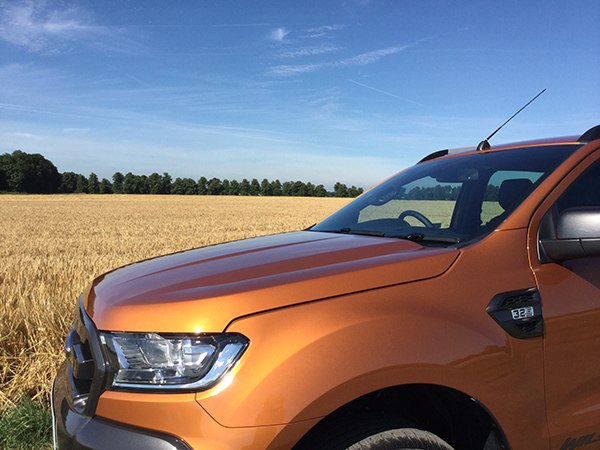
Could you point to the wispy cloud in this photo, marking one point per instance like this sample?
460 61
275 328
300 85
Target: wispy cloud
38 27
27 136
307 51
371 57
289 70
279 34
359 60
322 31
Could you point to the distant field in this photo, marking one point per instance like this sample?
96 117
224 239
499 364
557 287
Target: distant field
51 247
437 211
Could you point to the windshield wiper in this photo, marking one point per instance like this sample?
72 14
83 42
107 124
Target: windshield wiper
362 232
415 237
420 237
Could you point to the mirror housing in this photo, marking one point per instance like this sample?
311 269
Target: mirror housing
577 235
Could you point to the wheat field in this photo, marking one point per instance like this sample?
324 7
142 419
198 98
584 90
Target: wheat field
51 247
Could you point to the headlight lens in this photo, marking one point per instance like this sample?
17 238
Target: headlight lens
153 361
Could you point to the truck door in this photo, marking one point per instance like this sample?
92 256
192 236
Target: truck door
570 293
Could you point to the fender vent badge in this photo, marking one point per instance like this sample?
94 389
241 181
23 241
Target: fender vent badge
519 313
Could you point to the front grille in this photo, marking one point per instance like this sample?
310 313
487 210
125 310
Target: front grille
85 363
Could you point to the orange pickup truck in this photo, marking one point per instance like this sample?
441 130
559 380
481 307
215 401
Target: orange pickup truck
454 306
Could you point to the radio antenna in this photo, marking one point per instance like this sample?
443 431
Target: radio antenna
484 145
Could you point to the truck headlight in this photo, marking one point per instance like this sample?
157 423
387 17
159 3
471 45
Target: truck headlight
153 361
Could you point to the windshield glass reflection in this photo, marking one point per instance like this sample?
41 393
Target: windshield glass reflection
449 200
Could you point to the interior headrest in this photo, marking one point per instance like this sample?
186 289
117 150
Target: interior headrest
512 191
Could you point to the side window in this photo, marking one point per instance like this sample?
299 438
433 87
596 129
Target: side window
505 190
585 191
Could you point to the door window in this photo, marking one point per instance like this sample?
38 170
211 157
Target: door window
585 191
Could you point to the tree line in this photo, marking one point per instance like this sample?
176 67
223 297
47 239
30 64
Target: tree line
34 174
445 192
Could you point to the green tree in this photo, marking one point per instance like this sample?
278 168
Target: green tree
214 187
142 184
177 188
129 183
167 182
234 187
354 191
276 189
31 173
299 189
202 186
3 183
226 187
93 184
105 187
118 180
491 193
245 187
189 186
320 191
287 188
340 190
155 184
254 187
266 188
68 183
415 194
135 184
82 184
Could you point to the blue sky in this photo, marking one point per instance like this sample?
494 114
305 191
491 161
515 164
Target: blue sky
320 91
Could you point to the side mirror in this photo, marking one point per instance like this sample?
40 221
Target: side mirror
577 235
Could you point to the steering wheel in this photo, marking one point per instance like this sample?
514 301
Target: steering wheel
417 215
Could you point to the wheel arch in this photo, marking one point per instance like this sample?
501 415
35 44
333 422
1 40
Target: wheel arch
462 421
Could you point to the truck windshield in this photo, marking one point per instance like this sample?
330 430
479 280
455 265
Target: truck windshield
449 200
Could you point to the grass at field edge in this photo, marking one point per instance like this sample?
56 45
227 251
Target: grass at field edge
26 426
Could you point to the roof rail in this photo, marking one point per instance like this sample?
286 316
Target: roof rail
434 155
590 135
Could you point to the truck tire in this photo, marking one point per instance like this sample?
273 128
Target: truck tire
401 439
370 432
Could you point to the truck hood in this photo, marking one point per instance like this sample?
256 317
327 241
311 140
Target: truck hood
204 289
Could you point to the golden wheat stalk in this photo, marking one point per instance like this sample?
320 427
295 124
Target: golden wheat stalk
52 246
